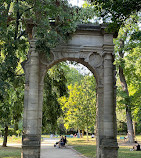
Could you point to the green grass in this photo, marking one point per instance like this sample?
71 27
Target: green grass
124 152
87 150
10 152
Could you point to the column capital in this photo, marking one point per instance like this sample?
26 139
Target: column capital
108 48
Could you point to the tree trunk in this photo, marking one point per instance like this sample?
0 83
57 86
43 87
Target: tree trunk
134 128
82 133
79 133
128 108
125 89
129 126
87 134
5 136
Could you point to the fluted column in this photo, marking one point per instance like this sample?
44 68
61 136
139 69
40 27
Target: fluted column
99 121
108 96
31 137
109 142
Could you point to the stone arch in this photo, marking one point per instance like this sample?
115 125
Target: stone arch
94 67
93 48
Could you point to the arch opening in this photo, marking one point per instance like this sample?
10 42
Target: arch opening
87 83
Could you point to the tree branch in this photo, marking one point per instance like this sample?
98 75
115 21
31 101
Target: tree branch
17 21
25 11
21 34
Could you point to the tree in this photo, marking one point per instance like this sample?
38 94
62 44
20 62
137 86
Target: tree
11 107
54 20
115 12
72 74
54 87
79 108
125 48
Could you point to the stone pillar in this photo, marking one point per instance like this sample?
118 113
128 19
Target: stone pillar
31 136
43 69
99 121
109 146
41 86
26 91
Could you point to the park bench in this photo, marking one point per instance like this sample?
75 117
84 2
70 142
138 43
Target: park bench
69 136
123 138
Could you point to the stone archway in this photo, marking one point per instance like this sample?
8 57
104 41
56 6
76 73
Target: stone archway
92 47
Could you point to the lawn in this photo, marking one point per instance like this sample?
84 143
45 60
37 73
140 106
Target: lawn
87 148
10 152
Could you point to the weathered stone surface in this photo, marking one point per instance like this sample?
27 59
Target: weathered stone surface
109 148
93 48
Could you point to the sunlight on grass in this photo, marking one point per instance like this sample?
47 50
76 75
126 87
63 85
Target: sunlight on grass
12 139
81 141
10 152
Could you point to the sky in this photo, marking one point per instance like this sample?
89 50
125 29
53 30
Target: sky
76 2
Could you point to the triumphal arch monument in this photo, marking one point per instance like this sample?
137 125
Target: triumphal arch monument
91 46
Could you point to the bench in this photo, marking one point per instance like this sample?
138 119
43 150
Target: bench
123 138
69 136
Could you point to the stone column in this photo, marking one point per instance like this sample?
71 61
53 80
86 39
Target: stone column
26 90
31 137
43 69
99 119
109 146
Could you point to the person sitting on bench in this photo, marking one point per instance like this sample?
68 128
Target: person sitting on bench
63 141
57 143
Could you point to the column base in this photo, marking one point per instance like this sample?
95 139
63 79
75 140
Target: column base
30 146
109 148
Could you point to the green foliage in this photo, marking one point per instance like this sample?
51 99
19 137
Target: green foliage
12 105
80 107
128 56
121 127
11 132
54 87
53 20
115 12
72 75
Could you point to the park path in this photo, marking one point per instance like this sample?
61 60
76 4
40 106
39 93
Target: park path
48 151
